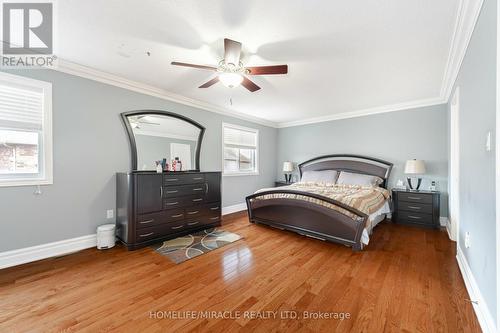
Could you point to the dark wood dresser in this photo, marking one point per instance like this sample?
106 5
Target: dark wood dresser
419 208
151 207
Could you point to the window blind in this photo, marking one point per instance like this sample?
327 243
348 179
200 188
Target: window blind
239 137
20 107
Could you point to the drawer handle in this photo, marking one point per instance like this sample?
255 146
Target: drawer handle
178 215
198 189
171 180
146 222
178 227
195 212
214 218
214 208
172 203
414 207
414 217
415 198
193 223
199 199
146 235
174 191
197 178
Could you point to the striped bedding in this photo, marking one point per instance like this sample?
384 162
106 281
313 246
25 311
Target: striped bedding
366 199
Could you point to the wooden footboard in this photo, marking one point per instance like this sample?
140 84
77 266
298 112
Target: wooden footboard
308 218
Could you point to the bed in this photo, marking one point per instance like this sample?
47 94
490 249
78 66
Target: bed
334 211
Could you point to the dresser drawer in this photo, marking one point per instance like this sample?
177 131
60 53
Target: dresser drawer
162 230
202 220
418 218
416 197
183 179
195 211
149 220
183 190
213 208
174 214
416 207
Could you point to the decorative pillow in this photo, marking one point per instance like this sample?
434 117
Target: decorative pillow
349 178
323 176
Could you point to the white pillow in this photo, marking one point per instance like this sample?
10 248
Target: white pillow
323 176
349 178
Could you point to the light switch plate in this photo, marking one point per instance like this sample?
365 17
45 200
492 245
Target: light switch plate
488 141
467 240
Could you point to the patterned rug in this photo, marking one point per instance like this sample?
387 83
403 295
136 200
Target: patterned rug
190 246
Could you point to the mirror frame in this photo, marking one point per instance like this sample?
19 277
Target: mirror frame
131 137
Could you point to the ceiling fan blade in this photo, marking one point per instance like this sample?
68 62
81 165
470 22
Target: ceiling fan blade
210 83
249 84
268 70
232 51
184 64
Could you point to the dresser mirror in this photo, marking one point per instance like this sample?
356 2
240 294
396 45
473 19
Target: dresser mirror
156 135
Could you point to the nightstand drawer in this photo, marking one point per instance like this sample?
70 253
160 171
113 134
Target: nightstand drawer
415 207
412 217
415 197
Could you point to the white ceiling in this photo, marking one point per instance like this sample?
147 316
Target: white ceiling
343 56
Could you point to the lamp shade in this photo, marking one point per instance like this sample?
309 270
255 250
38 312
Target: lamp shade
414 167
287 166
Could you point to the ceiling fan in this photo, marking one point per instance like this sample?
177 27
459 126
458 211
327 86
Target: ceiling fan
231 72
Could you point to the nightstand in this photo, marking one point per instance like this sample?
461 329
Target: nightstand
280 183
418 208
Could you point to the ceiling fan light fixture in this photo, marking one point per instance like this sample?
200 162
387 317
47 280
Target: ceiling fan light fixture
230 79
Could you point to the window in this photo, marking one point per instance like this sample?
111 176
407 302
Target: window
240 150
25 131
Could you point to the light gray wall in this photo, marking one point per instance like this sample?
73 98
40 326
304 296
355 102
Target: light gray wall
394 137
90 146
477 82
154 148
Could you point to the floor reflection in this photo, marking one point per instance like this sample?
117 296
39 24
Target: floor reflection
236 261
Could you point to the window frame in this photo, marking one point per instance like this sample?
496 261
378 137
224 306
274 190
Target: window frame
45 174
241 173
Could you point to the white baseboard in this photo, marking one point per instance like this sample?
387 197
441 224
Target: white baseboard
54 249
443 221
480 307
44 251
234 208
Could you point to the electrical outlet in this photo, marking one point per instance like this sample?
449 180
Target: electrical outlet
110 214
467 240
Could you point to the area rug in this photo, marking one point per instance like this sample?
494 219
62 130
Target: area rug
190 246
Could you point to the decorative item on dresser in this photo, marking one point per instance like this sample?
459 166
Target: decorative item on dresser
154 207
416 208
280 183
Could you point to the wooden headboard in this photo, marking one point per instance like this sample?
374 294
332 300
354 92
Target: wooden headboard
351 163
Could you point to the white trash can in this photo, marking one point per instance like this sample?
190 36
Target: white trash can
106 236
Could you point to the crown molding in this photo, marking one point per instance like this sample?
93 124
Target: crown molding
72 68
467 17
366 112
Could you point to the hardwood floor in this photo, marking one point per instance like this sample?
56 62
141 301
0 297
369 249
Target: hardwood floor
406 280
